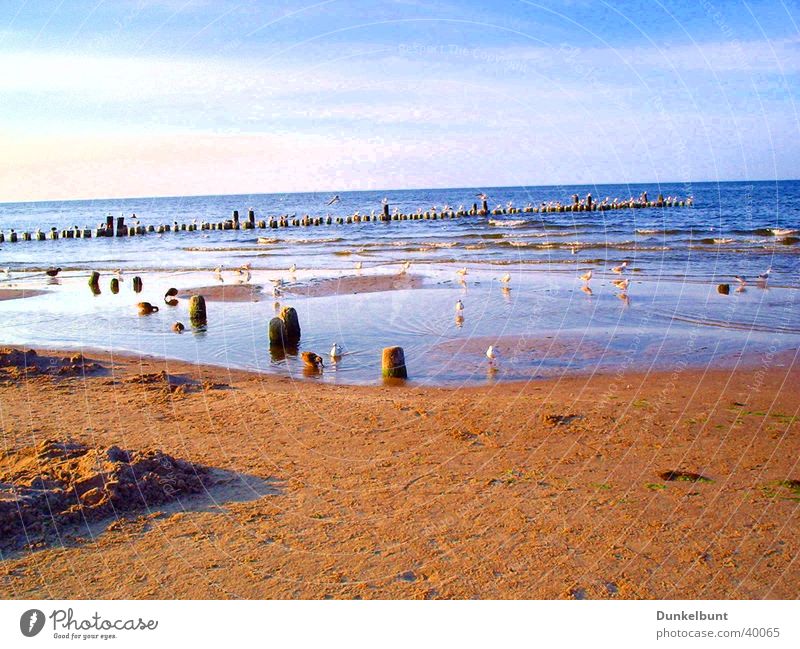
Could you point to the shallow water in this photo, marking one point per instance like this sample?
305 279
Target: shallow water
543 326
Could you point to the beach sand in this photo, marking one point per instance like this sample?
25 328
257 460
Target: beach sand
18 293
549 489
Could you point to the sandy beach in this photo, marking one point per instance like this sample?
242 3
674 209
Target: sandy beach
680 484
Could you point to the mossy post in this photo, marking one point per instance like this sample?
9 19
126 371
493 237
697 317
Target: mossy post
94 280
137 284
114 285
291 323
197 310
393 363
277 333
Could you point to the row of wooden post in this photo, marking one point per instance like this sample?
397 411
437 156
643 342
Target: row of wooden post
118 228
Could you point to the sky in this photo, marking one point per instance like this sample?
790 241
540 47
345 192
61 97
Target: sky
124 98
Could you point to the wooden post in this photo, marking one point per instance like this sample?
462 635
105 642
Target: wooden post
393 363
251 216
114 285
386 211
137 284
120 226
277 333
292 324
197 311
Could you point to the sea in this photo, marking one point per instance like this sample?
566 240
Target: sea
545 322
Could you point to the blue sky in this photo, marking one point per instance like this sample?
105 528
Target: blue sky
173 97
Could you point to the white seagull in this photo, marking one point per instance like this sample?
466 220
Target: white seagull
506 278
586 276
621 268
358 265
462 272
336 351
492 354
335 199
293 268
459 306
621 284
404 269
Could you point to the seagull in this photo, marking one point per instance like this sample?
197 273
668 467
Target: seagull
6 272
293 268
459 306
765 275
506 278
336 351
621 268
218 273
277 282
462 272
492 354
586 276
335 199
482 196
384 201
742 281
621 284
276 292
52 272
359 265
118 273
245 274
405 267
586 290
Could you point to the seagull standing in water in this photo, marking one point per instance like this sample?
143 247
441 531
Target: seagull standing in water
505 279
586 276
765 275
358 265
404 269
218 273
621 268
493 355
459 307
336 351
293 269
462 272
621 284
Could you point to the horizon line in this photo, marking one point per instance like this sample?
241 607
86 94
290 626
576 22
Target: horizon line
409 189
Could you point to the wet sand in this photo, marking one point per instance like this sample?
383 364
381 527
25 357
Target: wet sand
564 488
354 284
225 293
18 293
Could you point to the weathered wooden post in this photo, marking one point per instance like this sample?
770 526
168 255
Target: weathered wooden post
137 284
197 311
94 279
277 333
120 226
251 216
485 206
114 285
724 289
386 211
393 363
292 323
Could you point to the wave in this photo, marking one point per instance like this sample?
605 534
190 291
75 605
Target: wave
508 223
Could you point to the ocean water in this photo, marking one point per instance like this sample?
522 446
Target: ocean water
542 322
